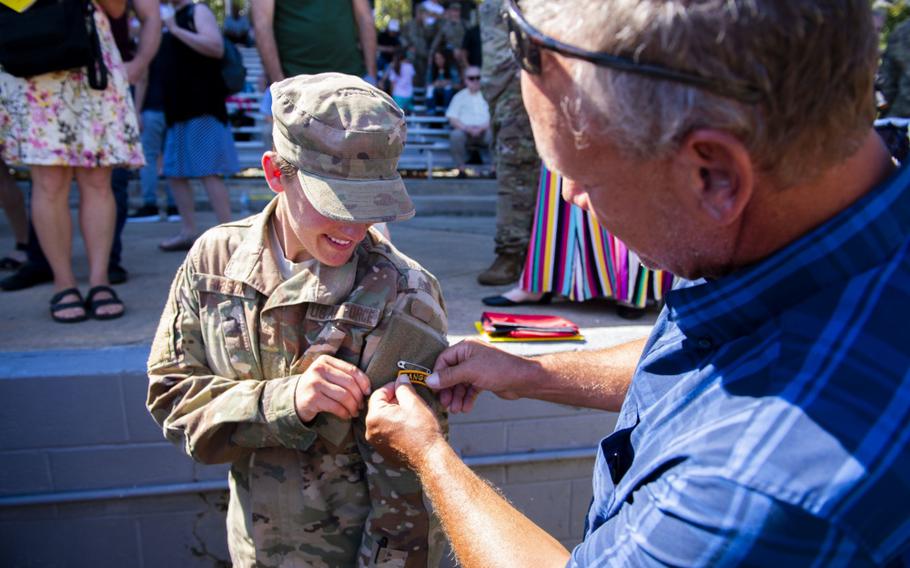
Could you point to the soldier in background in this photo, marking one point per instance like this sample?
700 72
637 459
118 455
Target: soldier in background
517 163
277 324
417 37
451 34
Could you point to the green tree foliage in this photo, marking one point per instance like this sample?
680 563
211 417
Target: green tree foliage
385 10
896 12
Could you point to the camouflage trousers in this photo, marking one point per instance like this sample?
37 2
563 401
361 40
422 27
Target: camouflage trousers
517 171
358 508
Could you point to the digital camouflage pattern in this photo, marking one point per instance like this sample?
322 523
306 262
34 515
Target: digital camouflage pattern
419 36
499 67
517 163
345 136
894 73
450 35
232 342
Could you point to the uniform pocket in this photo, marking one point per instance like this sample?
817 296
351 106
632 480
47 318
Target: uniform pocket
224 312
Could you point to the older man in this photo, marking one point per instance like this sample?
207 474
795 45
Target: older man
766 421
469 116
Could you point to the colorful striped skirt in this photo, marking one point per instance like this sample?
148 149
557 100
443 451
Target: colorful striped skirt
571 255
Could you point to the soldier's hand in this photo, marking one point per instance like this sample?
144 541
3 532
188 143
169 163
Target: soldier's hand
399 423
331 385
465 369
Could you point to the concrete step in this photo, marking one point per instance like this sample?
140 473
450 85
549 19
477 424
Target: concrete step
432 197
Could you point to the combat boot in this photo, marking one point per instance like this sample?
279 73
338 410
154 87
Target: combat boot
504 270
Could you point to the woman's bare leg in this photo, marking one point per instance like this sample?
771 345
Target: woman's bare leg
54 227
97 216
186 206
219 197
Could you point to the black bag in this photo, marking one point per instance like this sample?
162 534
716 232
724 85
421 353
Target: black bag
52 35
232 70
233 73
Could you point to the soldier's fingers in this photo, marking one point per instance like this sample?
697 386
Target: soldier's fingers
340 395
359 377
340 378
326 404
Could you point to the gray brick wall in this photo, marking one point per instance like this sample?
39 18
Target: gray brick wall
85 428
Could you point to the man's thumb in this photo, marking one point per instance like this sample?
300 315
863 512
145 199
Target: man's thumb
405 393
443 378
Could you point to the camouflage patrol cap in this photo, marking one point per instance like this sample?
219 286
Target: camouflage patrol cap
345 137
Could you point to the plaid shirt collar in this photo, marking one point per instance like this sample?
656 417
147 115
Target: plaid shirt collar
855 240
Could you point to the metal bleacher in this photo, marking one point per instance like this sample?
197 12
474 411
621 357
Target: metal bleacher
427 144
248 122
426 147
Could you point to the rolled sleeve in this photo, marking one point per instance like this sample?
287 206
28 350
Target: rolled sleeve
709 521
281 414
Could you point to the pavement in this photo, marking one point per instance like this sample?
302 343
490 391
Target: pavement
452 236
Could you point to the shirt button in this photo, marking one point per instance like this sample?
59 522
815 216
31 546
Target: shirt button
705 343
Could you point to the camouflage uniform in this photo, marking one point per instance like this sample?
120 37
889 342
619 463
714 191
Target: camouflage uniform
894 73
517 163
450 36
232 342
419 36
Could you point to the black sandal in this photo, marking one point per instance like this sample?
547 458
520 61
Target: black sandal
10 263
92 305
57 306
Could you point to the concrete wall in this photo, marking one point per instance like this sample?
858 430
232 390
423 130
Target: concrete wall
83 464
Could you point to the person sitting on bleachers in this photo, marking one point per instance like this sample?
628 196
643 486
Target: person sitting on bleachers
469 115
398 81
443 80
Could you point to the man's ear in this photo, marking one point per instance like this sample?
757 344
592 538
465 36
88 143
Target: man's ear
272 172
720 172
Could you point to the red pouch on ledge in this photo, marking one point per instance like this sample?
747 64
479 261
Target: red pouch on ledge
497 324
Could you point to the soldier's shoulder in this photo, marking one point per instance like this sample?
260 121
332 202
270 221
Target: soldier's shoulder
418 293
214 247
413 274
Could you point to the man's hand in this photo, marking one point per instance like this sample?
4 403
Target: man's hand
331 385
400 425
471 366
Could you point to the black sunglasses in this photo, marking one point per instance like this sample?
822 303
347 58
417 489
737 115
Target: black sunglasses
527 41
472 77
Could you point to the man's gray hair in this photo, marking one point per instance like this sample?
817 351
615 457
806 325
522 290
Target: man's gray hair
814 60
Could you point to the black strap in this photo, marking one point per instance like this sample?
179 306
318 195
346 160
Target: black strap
97 70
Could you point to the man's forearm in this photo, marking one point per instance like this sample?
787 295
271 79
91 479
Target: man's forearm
263 13
485 531
593 379
366 30
149 33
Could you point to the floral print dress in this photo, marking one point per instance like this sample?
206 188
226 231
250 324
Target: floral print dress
56 119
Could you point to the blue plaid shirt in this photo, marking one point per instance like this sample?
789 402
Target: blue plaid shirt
769 418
